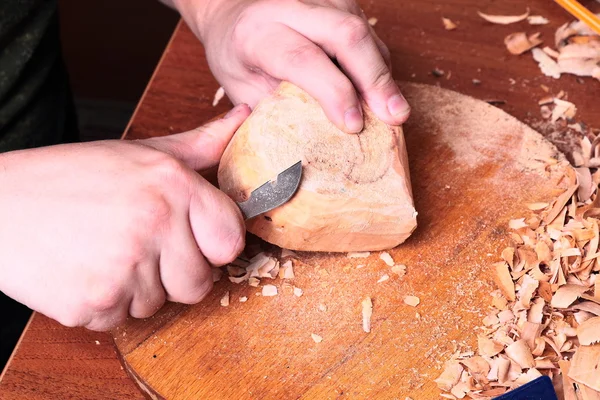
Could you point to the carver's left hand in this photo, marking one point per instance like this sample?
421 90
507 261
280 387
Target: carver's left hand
251 45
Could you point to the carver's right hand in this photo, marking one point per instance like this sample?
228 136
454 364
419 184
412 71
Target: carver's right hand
91 233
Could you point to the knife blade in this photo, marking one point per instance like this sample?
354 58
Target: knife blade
273 193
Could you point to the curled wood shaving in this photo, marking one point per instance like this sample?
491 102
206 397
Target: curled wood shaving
567 294
589 332
563 110
269 290
286 271
448 24
367 312
551 52
537 20
547 65
546 310
225 299
520 353
503 19
385 256
412 301
450 376
488 347
218 96
518 42
504 281
585 366
399 269
316 338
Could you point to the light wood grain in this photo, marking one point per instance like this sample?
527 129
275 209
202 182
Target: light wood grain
474 168
53 362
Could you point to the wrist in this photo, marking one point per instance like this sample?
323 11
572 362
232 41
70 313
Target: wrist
196 14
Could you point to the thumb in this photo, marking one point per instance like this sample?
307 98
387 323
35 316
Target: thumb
202 147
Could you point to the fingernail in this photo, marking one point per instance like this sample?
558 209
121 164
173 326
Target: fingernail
398 106
353 119
233 111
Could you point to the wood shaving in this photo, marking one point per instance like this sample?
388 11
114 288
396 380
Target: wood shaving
359 254
589 332
367 312
505 281
547 65
316 338
385 256
448 24
518 42
585 366
384 278
243 299
412 301
563 110
269 290
399 269
225 299
537 20
551 52
546 310
220 93
298 292
286 271
503 19
372 21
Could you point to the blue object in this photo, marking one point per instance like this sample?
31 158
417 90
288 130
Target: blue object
538 389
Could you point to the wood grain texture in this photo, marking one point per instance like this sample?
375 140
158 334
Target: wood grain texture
355 192
474 169
178 98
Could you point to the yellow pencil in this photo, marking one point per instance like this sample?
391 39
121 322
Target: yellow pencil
581 13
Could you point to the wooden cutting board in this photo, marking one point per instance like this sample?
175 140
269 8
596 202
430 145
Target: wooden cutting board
473 168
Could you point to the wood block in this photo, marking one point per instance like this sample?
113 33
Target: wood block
355 193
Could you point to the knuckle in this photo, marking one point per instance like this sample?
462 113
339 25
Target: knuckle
301 55
381 78
150 305
155 212
172 170
232 239
355 30
203 288
103 297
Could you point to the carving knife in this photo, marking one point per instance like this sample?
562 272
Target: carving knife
273 193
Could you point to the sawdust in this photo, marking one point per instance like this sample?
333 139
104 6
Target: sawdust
465 118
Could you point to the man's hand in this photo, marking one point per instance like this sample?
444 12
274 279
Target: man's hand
94 232
253 44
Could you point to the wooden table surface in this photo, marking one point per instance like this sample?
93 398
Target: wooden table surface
54 362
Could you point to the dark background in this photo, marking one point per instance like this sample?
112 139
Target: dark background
111 48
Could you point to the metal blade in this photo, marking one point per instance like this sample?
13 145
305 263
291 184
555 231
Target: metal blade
273 194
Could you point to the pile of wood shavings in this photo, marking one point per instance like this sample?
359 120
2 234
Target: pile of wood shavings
545 317
577 46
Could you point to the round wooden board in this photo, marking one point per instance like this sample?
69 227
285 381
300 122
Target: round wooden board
473 168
